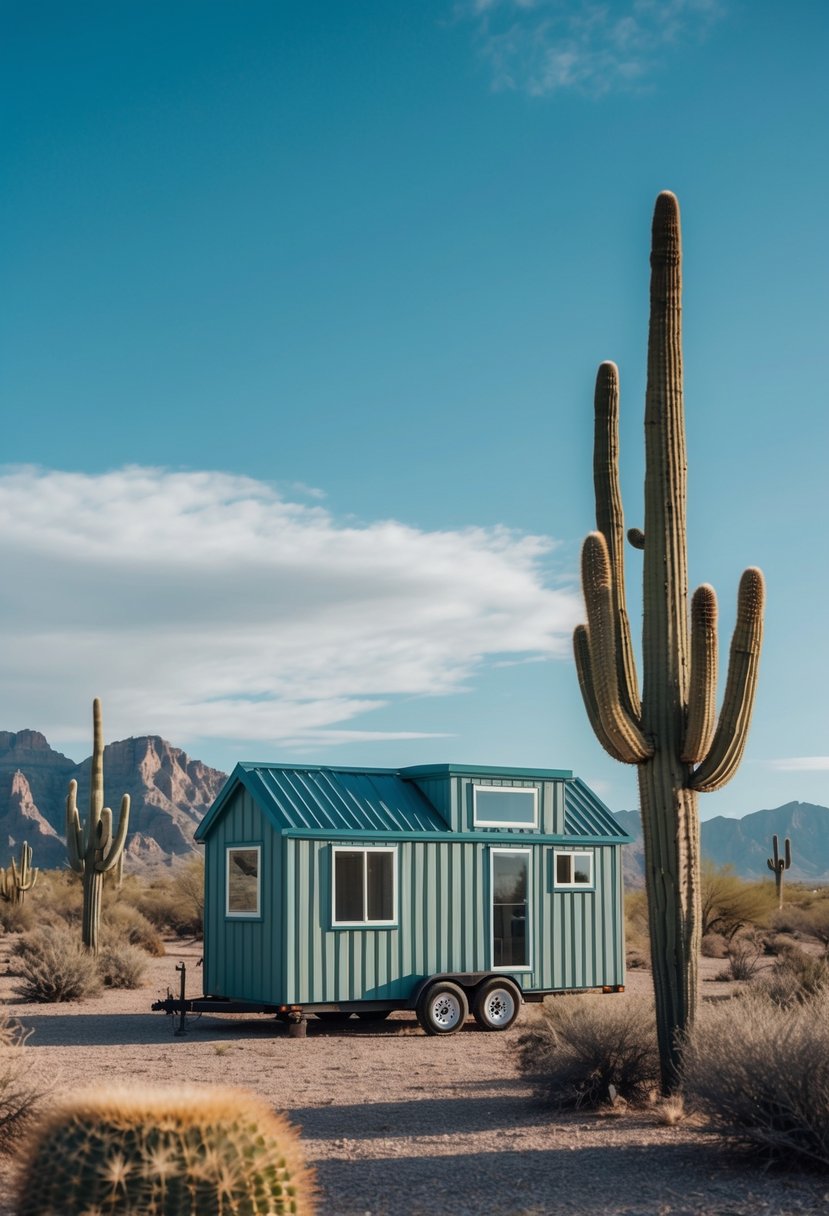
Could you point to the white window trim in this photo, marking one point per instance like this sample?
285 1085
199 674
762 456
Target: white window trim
574 886
529 937
365 923
496 789
247 848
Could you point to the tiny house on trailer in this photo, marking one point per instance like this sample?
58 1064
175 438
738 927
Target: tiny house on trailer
441 888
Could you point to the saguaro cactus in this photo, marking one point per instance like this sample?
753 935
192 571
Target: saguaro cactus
14 882
671 733
779 864
92 849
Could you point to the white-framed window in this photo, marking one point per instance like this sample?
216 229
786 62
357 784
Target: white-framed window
510 942
504 806
243 880
364 886
573 870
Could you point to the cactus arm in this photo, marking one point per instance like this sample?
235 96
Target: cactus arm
702 686
636 538
116 847
618 725
788 854
74 832
96 772
610 521
581 649
741 685
5 886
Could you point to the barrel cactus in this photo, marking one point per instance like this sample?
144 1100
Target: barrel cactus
671 732
188 1151
92 848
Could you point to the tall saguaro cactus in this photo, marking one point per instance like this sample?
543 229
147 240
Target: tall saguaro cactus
92 849
779 864
671 733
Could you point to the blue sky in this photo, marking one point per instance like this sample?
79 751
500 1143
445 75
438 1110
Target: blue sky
302 309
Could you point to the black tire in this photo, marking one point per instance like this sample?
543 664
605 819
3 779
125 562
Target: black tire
442 1008
373 1015
331 1015
496 1004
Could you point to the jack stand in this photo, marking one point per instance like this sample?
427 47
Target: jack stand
181 1028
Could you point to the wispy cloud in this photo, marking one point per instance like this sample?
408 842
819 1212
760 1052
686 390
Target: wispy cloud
801 764
202 605
544 46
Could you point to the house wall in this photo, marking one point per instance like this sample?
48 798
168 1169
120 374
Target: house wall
444 924
243 958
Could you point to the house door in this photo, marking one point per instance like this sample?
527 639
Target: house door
510 884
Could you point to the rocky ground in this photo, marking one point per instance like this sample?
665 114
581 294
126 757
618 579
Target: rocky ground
399 1124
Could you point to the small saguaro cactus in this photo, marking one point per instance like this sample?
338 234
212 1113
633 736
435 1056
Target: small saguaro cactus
779 864
189 1151
93 850
23 879
671 732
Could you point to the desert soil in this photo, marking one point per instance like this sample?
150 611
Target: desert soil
400 1124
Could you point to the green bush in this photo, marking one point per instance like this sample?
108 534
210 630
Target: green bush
52 965
761 1074
587 1050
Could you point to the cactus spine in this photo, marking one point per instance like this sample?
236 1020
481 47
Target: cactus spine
19 881
779 864
672 735
191 1151
93 850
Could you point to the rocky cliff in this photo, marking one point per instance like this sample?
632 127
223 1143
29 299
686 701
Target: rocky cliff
169 794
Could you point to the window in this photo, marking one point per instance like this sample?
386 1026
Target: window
574 869
365 886
510 875
499 806
243 880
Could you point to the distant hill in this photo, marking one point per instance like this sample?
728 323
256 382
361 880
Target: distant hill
746 843
169 794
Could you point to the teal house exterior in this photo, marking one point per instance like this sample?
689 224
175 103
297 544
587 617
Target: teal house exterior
445 889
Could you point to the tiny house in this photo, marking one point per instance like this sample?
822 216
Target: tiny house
444 889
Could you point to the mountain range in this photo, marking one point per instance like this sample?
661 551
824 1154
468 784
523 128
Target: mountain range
170 792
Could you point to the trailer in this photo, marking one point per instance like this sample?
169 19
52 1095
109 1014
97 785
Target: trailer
444 889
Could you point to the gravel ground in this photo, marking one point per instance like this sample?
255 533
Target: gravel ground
400 1124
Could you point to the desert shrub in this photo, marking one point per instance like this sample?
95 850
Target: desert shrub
714 945
59 897
812 921
125 921
744 954
121 965
175 903
637 933
52 965
16 918
18 1093
761 1074
794 979
728 903
584 1051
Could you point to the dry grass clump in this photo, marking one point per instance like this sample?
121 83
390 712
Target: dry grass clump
590 1051
175 903
795 979
125 921
18 1095
760 1073
121 965
637 933
743 954
16 918
52 965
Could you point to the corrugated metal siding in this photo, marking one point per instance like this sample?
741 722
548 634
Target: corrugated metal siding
340 800
444 925
242 958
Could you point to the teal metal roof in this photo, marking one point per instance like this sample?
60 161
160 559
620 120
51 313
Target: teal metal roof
587 815
486 770
322 800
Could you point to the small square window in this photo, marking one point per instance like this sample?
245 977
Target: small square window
364 887
574 870
243 880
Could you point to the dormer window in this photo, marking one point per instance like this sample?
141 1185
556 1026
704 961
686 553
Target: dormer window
503 806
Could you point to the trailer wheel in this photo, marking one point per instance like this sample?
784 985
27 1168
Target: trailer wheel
442 1008
373 1015
496 1004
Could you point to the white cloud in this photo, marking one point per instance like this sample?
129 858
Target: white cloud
543 46
202 605
801 764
